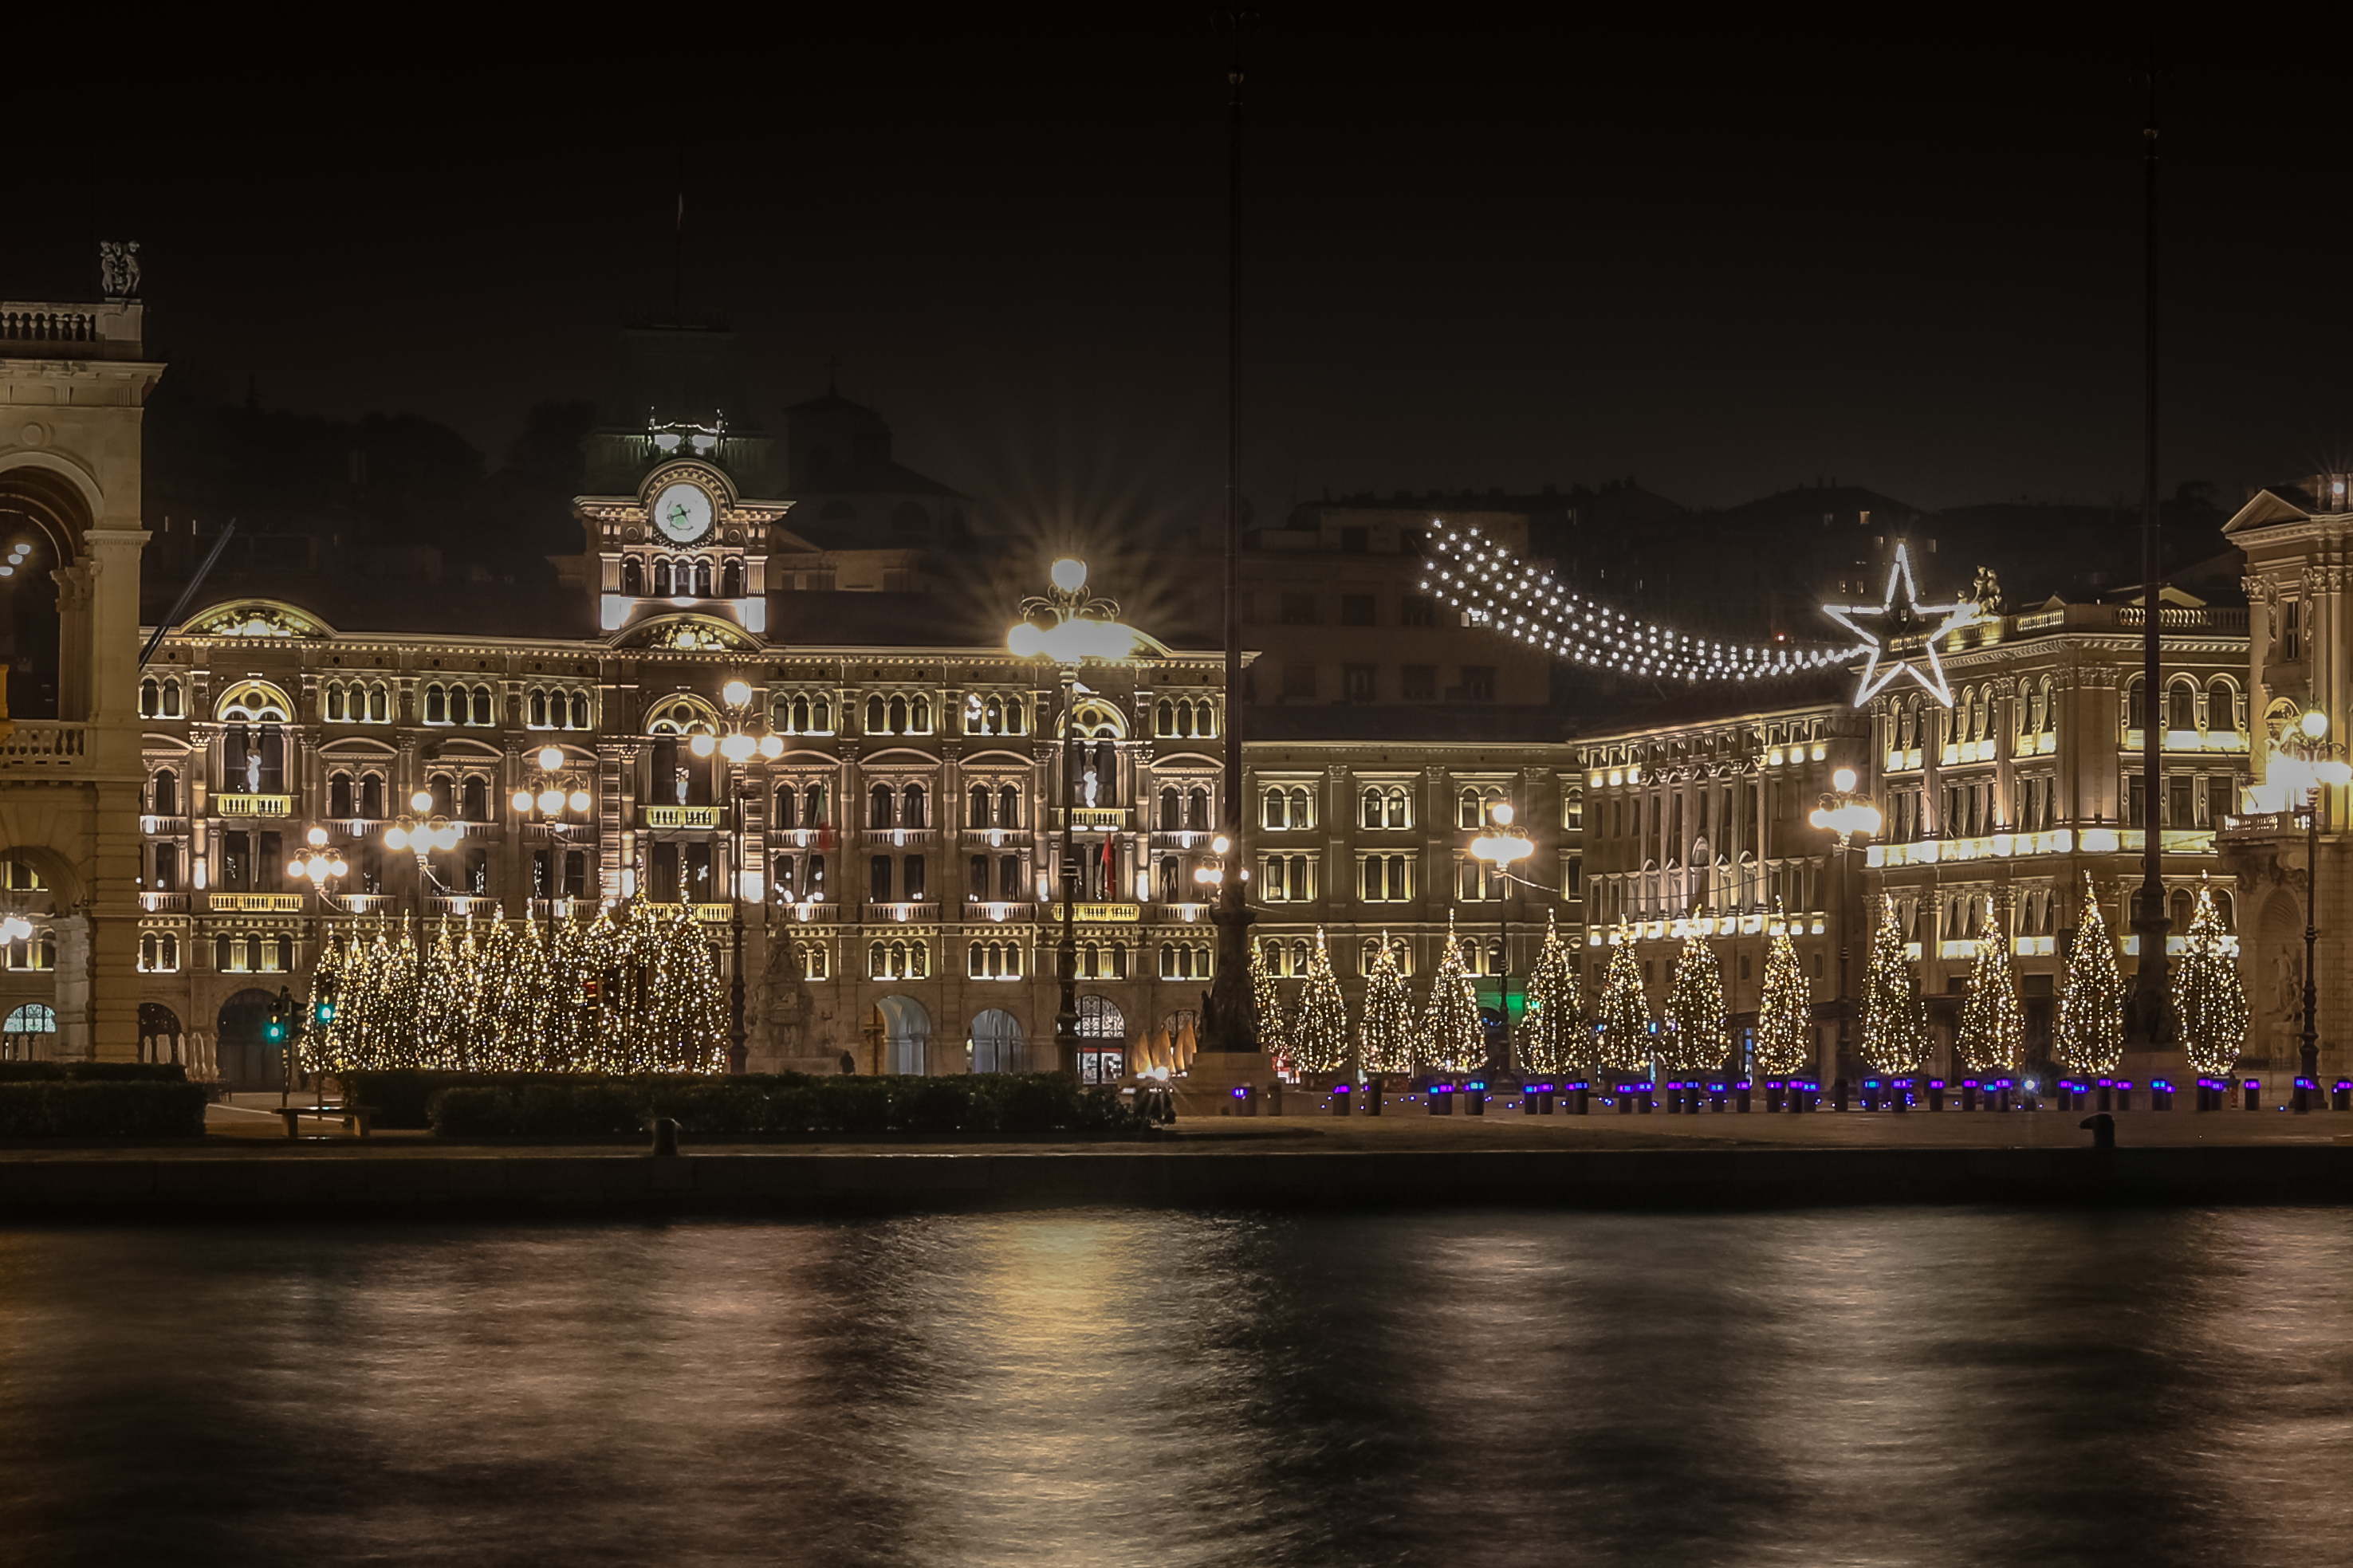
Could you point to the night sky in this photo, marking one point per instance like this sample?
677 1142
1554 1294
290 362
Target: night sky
1482 251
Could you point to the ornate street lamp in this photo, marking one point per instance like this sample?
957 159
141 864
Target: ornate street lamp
1503 849
1083 630
421 831
1845 815
2318 764
746 738
319 867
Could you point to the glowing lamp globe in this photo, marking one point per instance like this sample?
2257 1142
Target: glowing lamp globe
339 868
1070 575
1221 844
549 758
738 748
396 838
703 744
736 693
1842 780
579 800
551 801
294 867
421 801
317 837
772 746
522 800
1027 640
1501 814
2315 724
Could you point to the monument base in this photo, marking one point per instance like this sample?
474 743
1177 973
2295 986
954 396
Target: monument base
1207 1087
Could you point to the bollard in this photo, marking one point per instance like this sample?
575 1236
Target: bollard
2006 1088
1645 1099
1774 1092
1935 1094
1740 1093
1675 1098
2103 1128
1243 1101
2124 1094
1274 1098
2341 1097
2107 1094
1899 1096
2254 1093
665 1131
1968 1094
1580 1102
1625 1099
2160 1094
1339 1100
1715 1095
1474 1097
1442 1099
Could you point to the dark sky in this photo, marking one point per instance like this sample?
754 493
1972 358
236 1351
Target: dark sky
1482 250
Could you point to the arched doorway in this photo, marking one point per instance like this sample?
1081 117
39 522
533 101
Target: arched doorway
996 1042
247 1061
1103 1040
42 517
906 1031
161 1039
29 1033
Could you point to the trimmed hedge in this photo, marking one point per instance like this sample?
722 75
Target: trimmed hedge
69 1107
787 1105
93 1072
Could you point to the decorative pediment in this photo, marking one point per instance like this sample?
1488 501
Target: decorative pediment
688 634
258 618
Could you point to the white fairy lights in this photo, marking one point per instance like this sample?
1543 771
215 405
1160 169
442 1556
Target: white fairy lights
1474 573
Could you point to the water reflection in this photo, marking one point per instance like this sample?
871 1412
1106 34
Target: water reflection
1107 1387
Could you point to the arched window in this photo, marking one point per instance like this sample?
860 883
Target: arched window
917 812
339 795
992 716
731 582
372 796
976 808
661 580
879 804
336 701
633 580
2223 707
2181 706
2223 907
151 699
580 710
919 716
476 800
897 715
437 705
443 789
1172 810
538 719
874 716
813 807
1014 717
1009 807
800 716
2134 705
166 792
1197 810
703 579
821 716
485 710
788 800
1164 723
379 704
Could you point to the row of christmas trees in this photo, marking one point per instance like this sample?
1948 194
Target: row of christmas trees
1690 1036
640 994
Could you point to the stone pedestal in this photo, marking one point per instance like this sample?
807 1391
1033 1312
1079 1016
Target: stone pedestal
1209 1085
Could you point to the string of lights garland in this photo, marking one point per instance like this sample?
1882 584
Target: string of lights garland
1319 1034
1474 572
1385 1033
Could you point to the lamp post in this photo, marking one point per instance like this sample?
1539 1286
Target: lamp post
1082 629
319 867
2321 764
1845 814
421 830
746 738
1503 849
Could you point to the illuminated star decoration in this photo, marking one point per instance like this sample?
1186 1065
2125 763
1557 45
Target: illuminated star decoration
1899 614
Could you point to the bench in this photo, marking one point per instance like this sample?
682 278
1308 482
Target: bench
350 1114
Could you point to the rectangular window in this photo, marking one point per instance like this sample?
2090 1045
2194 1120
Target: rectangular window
1356 682
2180 800
2221 798
698 874
1420 610
2136 801
1386 878
2292 631
1299 609
913 880
1356 610
1298 682
662 872
878 879
1009 879
1572 877
1421 683
1478 683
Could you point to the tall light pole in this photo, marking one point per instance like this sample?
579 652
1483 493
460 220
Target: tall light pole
2321 765
1503 849
319 867
1072 628
1845 814
2148 1020
745 739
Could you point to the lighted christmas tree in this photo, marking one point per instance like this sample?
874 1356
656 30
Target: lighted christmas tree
1551 1036
1785 1014
1692 1040
1385 1036
1894 1021
1992 1029
1454 1039
1319 1035
2090 1038
1623 1041
1266 1000
2210 1005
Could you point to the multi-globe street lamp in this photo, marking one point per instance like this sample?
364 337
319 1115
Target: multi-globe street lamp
2314 764
421 831
1082 629
1502 848
319 867
744 738
1845 815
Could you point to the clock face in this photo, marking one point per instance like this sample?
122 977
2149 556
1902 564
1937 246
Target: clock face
682 512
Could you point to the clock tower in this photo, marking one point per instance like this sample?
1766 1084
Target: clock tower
678 534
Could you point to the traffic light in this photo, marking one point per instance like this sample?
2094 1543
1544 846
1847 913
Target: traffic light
322 1001
280 1022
